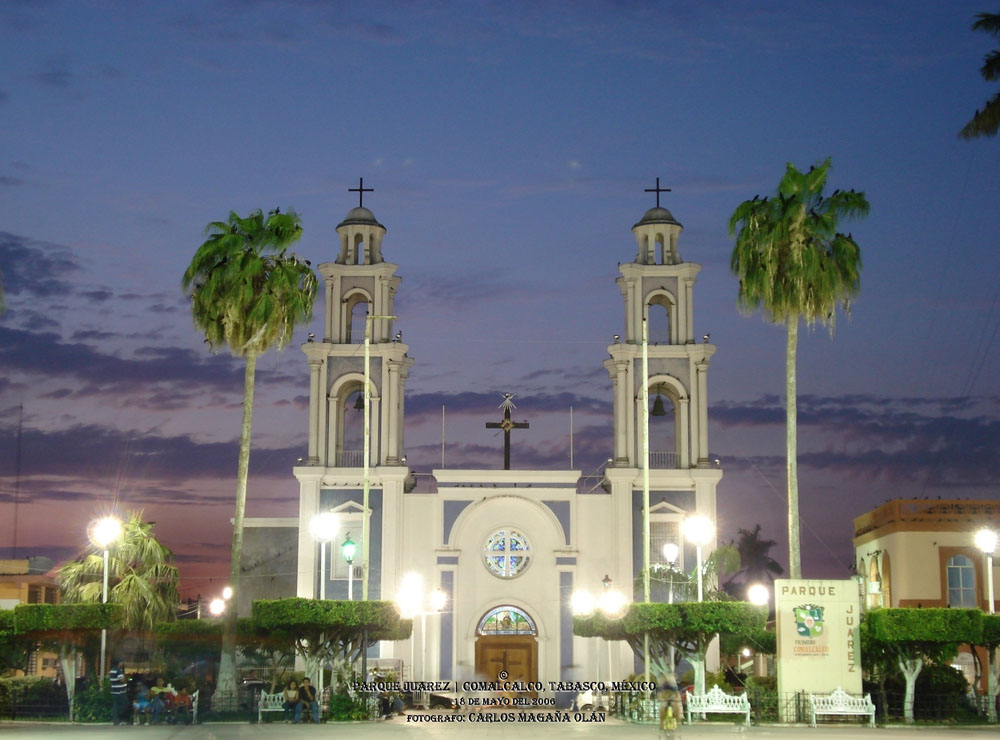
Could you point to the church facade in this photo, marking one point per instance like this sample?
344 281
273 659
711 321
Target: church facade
506 547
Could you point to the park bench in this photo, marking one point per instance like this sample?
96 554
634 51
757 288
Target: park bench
842 703
270 703
718 701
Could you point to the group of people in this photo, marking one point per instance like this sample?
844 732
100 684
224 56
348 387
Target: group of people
161 699
299 697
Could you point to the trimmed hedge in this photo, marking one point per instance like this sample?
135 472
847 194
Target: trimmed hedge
934 626
33 619
380 618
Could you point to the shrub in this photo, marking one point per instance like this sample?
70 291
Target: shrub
31 696
93 703
343 708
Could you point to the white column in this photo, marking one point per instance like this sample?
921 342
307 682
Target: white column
392 414
684 430
375 453
308 505
314 402
621 412
702 372
630 417
683 311
689 302
333 422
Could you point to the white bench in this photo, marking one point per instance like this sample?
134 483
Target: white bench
718 701
270 703
840 702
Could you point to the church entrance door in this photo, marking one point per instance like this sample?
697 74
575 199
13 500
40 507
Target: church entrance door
507 640
515 654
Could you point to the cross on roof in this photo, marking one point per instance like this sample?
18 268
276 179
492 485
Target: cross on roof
657 190
507 424
361 190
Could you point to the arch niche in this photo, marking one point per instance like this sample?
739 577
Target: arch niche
347 422
668 442
357 304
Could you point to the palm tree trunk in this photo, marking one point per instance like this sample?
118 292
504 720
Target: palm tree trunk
226 686
791 450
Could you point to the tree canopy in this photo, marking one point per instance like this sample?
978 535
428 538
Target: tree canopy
985 122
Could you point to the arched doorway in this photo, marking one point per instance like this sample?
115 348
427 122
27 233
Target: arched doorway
507 640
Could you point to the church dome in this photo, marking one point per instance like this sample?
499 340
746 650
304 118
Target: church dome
361 216
658 215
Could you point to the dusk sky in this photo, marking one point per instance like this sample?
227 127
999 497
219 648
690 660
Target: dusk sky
509 145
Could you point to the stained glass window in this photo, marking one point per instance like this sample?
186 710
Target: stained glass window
506 620
506 553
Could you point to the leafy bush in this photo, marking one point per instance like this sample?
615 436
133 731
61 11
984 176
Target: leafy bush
93 703
344 707
31 696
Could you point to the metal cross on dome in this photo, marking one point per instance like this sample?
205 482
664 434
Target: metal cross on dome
507 424
657 190
361 190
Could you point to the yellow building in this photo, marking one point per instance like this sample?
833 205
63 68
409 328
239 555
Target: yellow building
920 552
28 581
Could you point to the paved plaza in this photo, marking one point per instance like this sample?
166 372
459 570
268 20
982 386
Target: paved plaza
402 730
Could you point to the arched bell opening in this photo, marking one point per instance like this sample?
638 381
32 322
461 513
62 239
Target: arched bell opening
664 427
347 415
357 256
356 308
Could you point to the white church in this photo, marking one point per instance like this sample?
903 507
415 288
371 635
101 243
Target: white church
506 547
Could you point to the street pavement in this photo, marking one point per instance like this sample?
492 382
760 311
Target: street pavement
412 728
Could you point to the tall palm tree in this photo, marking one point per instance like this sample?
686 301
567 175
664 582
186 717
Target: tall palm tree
985 122
142 577
794 264
756 563
247 293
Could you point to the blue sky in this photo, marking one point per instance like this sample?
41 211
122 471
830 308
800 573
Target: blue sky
509 145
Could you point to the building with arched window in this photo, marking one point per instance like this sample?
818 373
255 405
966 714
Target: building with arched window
507 547
922 553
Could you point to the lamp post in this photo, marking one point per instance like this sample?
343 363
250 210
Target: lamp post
582 603
986 540
436 600
367 449
323 528
671 551
612 602
698 530
347 549
105 532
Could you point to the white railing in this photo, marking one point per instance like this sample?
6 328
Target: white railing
667 460
351 459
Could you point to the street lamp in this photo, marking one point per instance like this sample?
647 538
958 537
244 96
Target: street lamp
347 549
217 606
583 603
408 599
671 551
699 531
323 528
103 533
612 602
986 540
758 594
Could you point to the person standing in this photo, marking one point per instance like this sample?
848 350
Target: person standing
307 697
119 691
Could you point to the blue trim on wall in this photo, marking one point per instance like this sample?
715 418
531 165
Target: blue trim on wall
447 559
565 626
566 560
447 620
561 510
332 497
451 511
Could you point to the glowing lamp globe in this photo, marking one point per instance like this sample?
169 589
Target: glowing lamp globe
613 602
216 607
105 531
758 594
227 593
986 540
698 529
323 526
438 599
348 549
582 603
671 551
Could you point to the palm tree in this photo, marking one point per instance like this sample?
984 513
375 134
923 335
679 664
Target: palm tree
247 293
794 264
757 565
142 577
985 122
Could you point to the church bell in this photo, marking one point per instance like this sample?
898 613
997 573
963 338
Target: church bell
658 409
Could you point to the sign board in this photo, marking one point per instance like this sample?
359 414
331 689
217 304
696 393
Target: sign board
819 648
